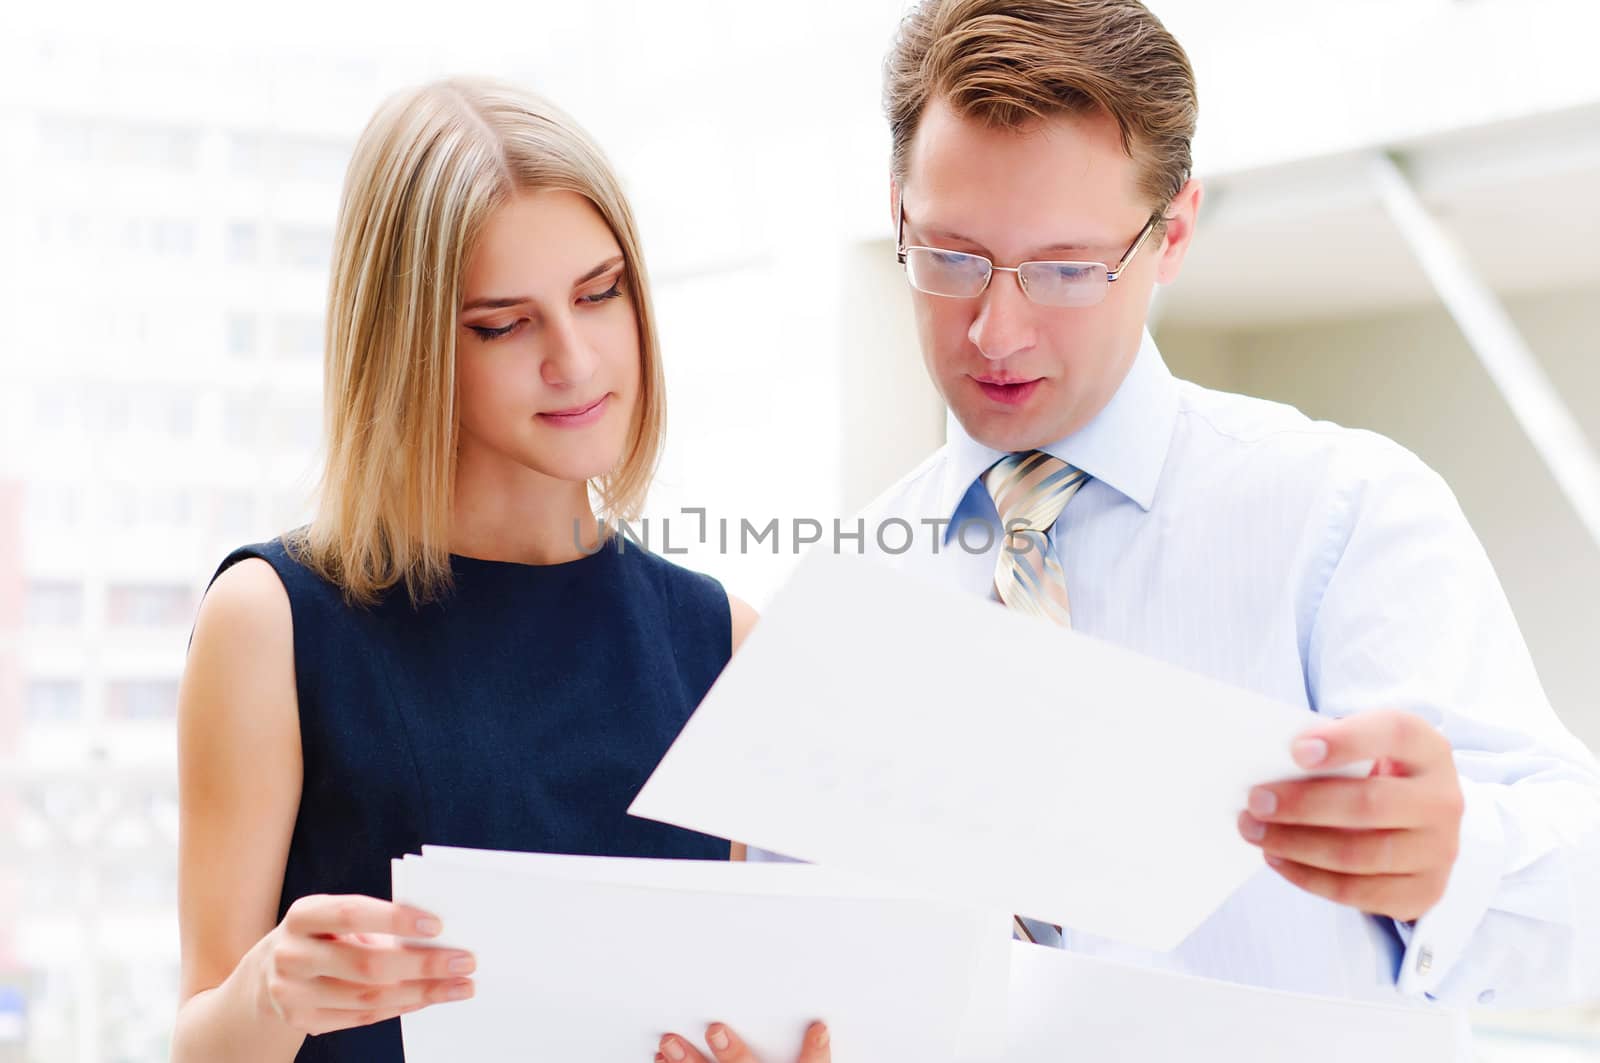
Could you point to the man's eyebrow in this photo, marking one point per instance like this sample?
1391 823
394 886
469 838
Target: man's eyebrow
499 302
1035 254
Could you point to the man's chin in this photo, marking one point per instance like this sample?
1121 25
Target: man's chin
1008 431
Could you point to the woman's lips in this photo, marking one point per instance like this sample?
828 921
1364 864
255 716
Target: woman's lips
1007 394
578 416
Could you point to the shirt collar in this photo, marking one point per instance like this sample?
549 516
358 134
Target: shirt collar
1124 447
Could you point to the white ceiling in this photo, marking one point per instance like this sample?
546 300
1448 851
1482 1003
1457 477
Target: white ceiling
1312 240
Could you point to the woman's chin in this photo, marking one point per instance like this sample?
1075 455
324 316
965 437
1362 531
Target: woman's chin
575 468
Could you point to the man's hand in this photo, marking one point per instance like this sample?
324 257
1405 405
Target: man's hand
1384 844
727 1048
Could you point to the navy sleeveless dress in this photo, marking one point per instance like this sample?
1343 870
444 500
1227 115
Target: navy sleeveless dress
524 711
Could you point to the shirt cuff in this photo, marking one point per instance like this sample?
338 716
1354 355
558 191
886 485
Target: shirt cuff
1437 941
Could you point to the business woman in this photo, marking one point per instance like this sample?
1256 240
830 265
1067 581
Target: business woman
454 651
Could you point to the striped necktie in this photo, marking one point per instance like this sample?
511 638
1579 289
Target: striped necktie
1030 490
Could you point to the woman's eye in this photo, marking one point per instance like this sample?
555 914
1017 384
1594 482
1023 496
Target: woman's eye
610 293
493 333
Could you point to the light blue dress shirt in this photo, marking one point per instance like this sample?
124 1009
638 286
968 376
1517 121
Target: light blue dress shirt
1328 568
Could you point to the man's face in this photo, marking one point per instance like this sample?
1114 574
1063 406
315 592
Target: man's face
1018 374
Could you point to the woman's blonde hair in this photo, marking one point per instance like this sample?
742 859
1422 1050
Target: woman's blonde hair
432 165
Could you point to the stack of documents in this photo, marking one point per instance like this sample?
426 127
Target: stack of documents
922 749
591 958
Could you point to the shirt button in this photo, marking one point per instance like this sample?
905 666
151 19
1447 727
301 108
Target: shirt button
1486 997
1425 961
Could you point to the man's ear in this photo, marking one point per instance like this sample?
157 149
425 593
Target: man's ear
1181 215
894 201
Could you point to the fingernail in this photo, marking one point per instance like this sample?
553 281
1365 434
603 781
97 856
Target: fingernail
460 991
429 927
1263 802
1309 752
821 1037
673 1049
1254 830
718 1038
1275 861
463 965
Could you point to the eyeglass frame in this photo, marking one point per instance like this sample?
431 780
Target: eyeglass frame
1112 272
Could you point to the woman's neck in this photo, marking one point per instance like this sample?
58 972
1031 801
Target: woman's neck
507 512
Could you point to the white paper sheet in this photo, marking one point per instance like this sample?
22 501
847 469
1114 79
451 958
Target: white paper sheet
875 723
583 958
1070 1007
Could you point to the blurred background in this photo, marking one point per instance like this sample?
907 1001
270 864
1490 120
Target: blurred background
1399 235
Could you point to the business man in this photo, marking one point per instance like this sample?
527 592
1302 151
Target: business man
1040 183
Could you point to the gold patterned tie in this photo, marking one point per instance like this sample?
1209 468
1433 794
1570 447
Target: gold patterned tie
1030 490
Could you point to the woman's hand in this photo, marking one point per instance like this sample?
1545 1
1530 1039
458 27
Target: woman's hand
334 962
727 1048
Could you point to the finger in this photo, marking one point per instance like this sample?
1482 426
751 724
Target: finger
1372 803
296 999
329 1020
816 1047
727 1046
1350 852
1404 738
333 994
679 1050
382 963
1389 895
358 914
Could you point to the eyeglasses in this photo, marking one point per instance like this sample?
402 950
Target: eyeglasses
959 275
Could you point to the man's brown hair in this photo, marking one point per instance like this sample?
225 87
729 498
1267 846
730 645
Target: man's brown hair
1010 63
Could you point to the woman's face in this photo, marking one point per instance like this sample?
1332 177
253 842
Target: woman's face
548 365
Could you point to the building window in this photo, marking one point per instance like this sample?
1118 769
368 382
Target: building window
305 247
53 507
99 142
235 514
241 244
300 336
297 428
54 604
309 159
241 421
54 701
142 699
149 605
170 236
242 335
246 154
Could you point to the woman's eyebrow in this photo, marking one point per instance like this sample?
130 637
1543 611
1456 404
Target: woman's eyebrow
499 302
605 267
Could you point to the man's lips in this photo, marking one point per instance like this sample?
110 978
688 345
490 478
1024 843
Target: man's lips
1008 391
